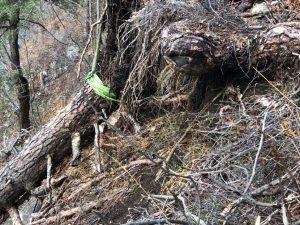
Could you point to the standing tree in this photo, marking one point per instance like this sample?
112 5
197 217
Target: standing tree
10 12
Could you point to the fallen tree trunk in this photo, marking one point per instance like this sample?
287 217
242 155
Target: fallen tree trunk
197 51
27 169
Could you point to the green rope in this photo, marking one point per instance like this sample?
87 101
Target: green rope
93 80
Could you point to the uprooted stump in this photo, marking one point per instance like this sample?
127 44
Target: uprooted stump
197 43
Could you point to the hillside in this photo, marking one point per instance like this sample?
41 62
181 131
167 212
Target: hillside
200 123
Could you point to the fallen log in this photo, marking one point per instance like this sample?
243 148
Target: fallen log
195 50
26 170
199 52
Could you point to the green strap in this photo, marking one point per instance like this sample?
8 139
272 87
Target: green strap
92 78
100 89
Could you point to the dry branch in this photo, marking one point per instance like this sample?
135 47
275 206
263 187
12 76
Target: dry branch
157 221
14 215
85 186
67 213
44 188
97 148
75 148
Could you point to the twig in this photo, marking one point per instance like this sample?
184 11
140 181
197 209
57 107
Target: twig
14 215
67 213
164 197
44 28
157 221
75 149
268 219
97 148
85 186
188 214
166 162
63 25
44 188
258 151
257 221
241 199
279 91
49 167
186 211
89 40
271 184
284 215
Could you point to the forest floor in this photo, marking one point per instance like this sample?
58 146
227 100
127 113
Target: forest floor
212 155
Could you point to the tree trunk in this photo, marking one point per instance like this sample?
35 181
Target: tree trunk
199 52
119 11
27 169
20 80
204 54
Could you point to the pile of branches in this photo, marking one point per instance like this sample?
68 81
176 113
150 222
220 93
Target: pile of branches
248 173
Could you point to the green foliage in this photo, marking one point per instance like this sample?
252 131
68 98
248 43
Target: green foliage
8 11
9 8
28 7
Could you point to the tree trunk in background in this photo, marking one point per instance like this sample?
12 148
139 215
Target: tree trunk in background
87 22
111 29
20 81
118 12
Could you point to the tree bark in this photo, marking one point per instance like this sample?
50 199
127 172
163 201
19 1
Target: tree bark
199 52
27 169
20 80
202 54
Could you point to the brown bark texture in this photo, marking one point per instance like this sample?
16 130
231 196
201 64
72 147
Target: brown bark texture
20 80
201 52
27 169
197 51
